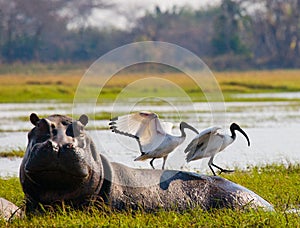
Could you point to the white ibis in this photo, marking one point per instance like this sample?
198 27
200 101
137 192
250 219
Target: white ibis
210 142
153 136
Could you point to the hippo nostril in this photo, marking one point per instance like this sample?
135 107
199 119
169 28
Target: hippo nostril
69 146
49 144
53 146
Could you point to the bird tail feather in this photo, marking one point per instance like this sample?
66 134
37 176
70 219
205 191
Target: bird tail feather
189 157
142 157
190 153
191 147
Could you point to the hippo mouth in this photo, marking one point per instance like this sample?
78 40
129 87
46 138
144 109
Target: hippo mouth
58 170
56 179
57 167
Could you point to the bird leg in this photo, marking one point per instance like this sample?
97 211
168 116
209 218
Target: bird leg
222 170
212 170
140 146
210 163
151 163
164 162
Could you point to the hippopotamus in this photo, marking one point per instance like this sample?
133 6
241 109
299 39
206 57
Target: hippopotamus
62 165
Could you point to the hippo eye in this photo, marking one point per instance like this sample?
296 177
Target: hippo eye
74 130
43 127
54 131
65 123
69 131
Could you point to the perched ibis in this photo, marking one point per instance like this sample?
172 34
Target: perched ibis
210 142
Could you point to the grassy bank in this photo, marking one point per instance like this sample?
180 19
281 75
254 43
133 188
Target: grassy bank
276 183
31 83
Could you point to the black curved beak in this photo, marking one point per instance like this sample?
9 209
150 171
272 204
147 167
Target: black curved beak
244 133
186 125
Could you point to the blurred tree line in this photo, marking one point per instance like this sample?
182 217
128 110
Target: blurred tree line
237 34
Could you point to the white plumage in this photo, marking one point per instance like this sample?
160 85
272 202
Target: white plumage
210 142
153 136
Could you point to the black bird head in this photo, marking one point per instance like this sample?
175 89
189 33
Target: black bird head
234 127
186 125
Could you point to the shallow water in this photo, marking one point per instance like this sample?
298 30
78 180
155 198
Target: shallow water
273 129
287 95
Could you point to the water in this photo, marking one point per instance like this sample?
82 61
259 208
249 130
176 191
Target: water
273 129
286 95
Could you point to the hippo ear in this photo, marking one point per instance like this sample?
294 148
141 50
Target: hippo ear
84 119
34 118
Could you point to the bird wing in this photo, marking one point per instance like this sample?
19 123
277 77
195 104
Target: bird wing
143 126
153 136
167 126
131 124
199 143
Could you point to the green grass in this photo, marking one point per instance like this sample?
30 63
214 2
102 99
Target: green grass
276 183
59 82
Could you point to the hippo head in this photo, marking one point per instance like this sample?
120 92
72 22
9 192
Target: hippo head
60 162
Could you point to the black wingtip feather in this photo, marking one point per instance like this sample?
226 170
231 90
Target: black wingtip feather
114 119
112 123
115 130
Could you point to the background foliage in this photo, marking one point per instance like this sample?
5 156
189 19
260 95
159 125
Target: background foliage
239 34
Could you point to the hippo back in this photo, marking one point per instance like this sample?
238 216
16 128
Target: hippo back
179 190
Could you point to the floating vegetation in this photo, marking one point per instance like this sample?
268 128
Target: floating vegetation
15 153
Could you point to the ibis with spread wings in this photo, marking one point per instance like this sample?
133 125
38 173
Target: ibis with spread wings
153 136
